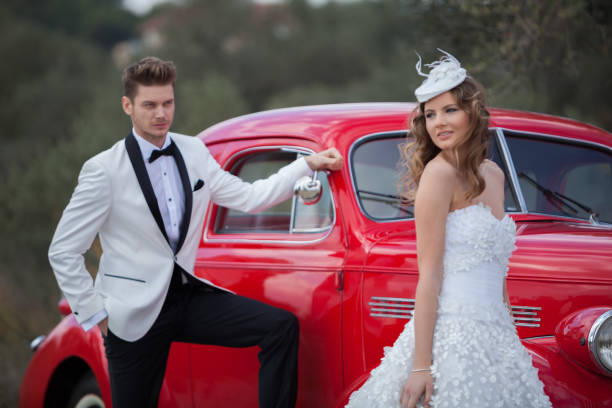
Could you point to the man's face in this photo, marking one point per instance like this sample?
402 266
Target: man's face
151 111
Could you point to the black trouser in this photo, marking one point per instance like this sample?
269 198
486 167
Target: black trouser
196 313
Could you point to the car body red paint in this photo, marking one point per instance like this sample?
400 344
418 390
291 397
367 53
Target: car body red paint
360 255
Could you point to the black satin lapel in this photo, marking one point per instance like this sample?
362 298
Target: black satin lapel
135 156
180 163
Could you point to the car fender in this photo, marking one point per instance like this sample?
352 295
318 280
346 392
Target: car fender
566 384
66 343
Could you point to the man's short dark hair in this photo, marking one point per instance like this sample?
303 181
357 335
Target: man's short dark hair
148 71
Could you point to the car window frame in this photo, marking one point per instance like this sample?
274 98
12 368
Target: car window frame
209 235
351 168
504 151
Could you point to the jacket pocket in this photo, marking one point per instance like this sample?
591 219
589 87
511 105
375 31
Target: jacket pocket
124 277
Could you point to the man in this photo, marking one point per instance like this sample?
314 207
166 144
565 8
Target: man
146 197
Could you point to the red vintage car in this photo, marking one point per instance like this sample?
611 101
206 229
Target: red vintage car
344 261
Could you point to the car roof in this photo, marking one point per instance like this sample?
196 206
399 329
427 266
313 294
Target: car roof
325 124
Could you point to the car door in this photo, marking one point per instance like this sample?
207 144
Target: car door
290 256
389 272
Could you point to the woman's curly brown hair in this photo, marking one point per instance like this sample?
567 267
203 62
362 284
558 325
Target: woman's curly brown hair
469 153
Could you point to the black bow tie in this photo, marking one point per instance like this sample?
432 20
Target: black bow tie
168 151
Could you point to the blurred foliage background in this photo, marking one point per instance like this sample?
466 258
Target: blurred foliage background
61 80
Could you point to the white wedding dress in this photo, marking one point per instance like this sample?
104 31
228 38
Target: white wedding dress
478 359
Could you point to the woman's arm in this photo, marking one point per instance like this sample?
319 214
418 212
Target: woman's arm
432 204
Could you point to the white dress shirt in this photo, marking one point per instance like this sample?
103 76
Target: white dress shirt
166 181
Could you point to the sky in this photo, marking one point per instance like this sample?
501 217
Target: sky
143 6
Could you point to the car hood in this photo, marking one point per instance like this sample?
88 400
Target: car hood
554 249
563 251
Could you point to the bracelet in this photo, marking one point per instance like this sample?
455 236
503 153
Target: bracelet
421 369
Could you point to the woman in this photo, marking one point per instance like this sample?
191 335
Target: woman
461 349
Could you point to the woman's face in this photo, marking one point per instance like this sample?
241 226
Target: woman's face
446 124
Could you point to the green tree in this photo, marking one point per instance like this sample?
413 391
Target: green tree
203 102
551 56
103 23
46 80
55 81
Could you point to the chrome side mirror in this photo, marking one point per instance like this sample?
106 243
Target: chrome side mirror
308 189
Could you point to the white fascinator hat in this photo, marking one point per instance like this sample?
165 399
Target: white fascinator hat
445 74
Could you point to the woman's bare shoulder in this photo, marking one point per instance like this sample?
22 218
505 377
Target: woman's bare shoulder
437 182
439 169
491 168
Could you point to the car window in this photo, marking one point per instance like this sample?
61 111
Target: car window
563 178
290 216
375 167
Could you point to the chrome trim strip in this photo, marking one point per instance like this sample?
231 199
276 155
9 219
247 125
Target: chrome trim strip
308 230
403 308
387 304
399 308
539 337
559 138
390 315
595 328
527 307
393 299
565 217
293 210
526 324
291 149
35 344
295 149
519 313
514 181
383 309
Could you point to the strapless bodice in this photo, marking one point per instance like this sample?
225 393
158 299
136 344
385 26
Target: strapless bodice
476 253
474 236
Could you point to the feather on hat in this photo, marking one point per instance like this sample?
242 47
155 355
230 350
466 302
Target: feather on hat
445 74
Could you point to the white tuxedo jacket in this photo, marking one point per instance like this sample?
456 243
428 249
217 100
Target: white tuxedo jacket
114 198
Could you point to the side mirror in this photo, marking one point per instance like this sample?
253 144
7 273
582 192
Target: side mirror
308 189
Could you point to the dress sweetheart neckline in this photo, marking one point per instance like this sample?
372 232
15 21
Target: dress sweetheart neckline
481 205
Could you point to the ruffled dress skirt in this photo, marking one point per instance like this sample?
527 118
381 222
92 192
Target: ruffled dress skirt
478 358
